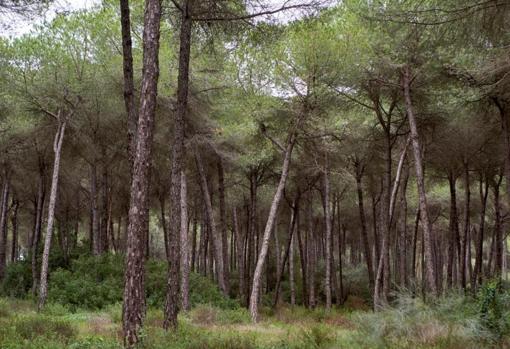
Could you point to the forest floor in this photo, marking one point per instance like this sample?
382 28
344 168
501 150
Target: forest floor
207 327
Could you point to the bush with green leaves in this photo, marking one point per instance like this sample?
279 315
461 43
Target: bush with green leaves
97 282
494 308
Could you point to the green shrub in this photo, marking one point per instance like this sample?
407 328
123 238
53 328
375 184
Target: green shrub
18 280
40 326
491 302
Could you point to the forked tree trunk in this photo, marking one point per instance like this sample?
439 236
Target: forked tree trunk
133 311
427 226
185 267
57 150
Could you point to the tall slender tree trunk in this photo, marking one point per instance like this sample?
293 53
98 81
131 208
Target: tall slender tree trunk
36 235
3 226
95 238
292 283
129 88
498 233
240 253
420 179
467 213
185 267
327 218
484 192
104 242
453 246
364 231
57 150
257 275
172 295
215 237
133 311
223 224
14 225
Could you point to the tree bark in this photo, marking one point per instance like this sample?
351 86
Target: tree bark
36 235
3 226
327 218
484 192
57 150
14 225
223 224
240 252
172 295
257 275
133 311
185 267
95 238
427 226
129 88
364 232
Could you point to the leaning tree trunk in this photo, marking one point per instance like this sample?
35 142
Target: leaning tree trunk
185 267
57 149
133 310
3 226
215 238
420 179
257 275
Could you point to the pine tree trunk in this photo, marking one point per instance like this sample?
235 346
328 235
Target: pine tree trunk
215 237
257 275
3 226
36 235
57 150
129 88
96 241
14 225
327 218
498 233
133 311
104 245
465 245
484 192
427 226
240 253
364 231
185 267
223 225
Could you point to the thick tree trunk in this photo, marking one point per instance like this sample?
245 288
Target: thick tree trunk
133 311
185 267
420 179
3 226
257 275
57 149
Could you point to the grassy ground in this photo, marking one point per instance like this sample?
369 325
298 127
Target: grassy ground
410 325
